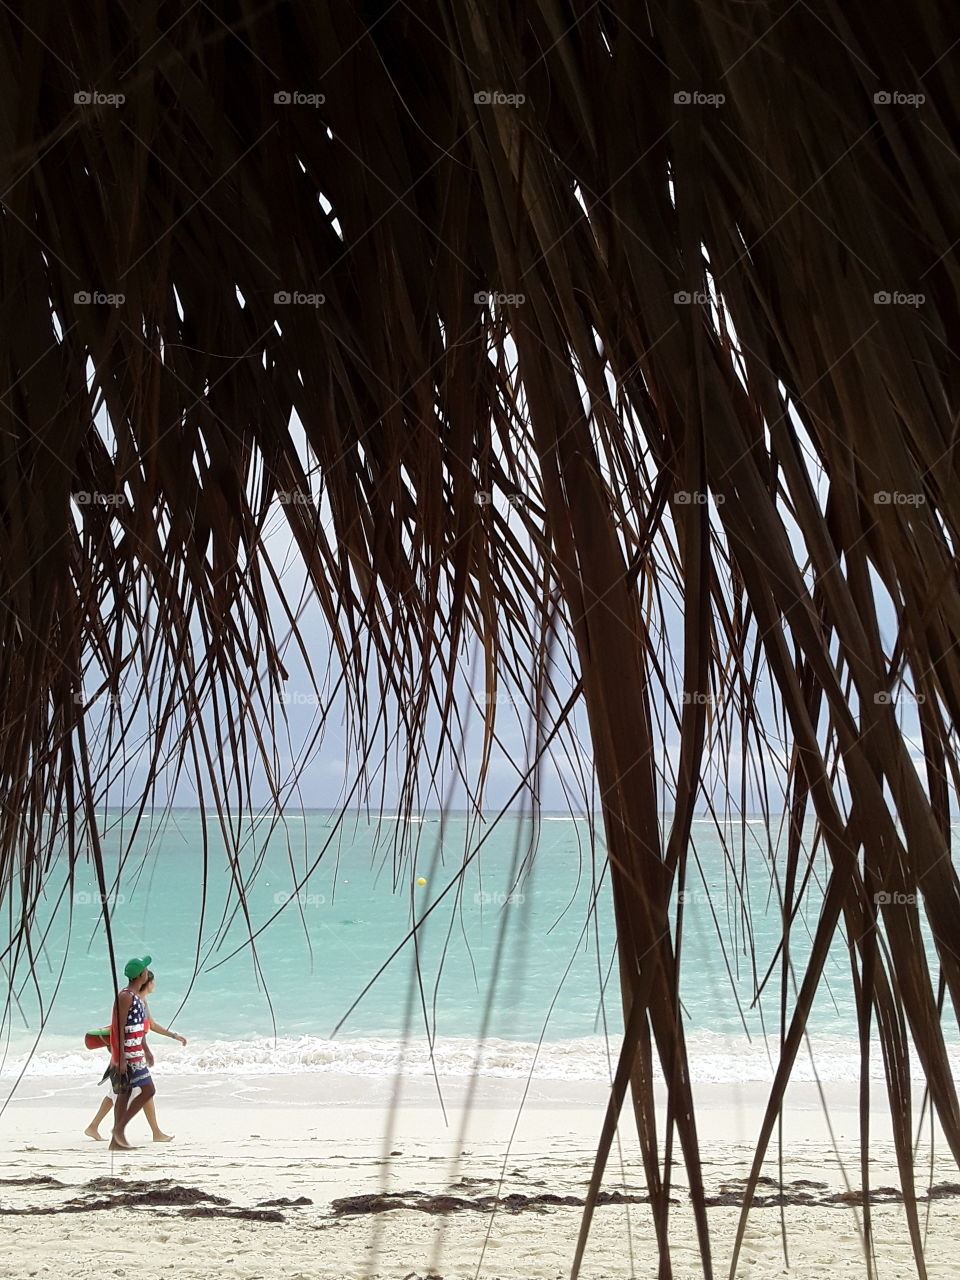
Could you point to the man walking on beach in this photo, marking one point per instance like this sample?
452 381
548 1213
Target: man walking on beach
129 1068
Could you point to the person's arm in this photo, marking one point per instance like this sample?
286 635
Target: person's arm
165 1031
147 1051
120 1010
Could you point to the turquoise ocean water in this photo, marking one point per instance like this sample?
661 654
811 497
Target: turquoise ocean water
518 950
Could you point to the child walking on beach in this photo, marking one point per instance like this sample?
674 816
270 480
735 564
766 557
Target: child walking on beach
129 1069
149 1107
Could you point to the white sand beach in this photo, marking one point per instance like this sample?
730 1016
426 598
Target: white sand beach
248 1187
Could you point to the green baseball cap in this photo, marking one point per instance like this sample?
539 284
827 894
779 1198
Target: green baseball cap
133 968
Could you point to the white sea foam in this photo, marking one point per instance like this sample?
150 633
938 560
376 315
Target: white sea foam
714 1059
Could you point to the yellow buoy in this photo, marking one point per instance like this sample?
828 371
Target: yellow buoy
421 881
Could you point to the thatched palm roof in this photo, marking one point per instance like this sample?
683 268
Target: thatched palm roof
616 166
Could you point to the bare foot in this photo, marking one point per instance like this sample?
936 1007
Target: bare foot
91 1132
119 1143
163 1137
